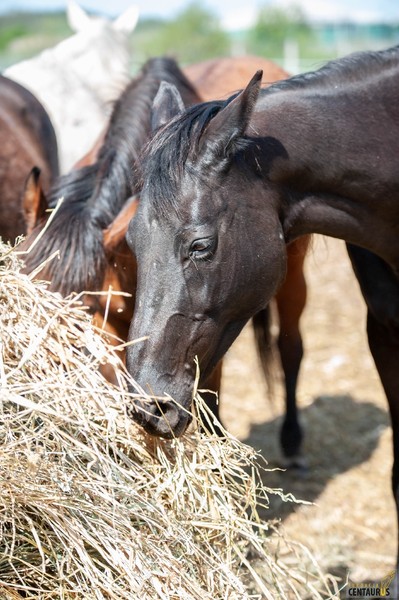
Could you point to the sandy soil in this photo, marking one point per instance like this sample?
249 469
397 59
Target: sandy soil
351 524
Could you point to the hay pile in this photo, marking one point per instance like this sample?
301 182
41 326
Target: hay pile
92 508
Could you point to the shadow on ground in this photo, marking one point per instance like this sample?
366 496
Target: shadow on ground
340 433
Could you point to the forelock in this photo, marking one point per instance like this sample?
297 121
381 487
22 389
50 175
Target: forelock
170 158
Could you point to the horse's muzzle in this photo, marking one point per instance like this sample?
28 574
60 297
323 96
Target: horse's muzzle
161 418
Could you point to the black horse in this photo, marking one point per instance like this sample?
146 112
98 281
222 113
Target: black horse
88 229
233 183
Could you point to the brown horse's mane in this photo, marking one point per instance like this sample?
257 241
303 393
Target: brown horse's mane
94 195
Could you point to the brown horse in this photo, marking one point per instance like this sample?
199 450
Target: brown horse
220 77
98 195
96 207
27 139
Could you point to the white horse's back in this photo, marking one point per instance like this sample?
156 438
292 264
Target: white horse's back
78 79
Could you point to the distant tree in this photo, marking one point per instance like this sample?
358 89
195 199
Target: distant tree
194 35
23 34
9 34
275 26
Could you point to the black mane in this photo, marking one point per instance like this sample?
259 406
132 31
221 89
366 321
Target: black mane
94 195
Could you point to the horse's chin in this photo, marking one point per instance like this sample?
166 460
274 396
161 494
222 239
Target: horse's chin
164 430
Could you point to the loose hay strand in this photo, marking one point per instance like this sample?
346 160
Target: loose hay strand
91 507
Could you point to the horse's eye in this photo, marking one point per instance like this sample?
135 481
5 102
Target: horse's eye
202 249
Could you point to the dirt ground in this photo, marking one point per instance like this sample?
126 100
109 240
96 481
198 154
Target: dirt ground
351 524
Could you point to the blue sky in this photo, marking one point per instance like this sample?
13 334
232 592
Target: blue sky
233 13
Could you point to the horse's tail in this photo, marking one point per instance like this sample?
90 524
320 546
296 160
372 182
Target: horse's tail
263 323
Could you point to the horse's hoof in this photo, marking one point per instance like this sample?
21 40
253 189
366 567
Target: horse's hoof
297 464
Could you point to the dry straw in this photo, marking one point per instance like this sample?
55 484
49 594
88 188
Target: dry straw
92 508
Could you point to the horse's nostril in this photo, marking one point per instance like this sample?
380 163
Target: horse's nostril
167 414
161 418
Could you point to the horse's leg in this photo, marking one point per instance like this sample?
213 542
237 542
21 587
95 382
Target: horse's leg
380 289
291 300
384 346
378 283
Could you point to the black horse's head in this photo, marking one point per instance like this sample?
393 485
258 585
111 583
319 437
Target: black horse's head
208 257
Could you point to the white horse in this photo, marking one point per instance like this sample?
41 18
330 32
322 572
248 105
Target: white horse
78 79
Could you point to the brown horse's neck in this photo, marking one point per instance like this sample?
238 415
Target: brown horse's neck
331 156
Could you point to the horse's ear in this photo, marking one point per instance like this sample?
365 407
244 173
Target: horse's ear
34 202
78 19
127 21
230 123
115 233
167 104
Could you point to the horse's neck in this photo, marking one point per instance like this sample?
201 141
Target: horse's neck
333 137
332 156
